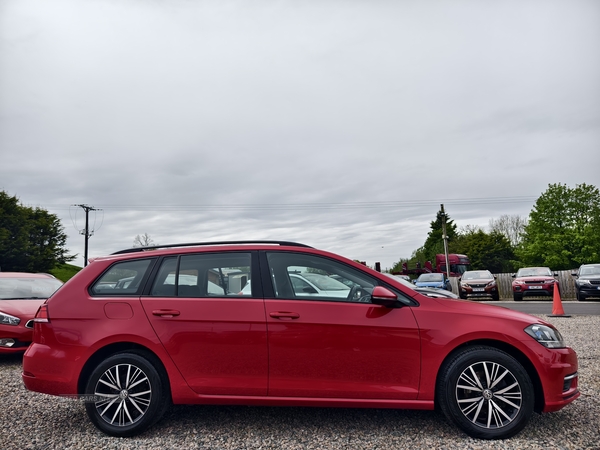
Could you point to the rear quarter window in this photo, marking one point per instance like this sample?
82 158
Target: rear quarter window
122 278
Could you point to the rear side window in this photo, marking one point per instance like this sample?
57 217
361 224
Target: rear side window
123 278
204 275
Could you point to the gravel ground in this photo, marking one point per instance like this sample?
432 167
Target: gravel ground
37 421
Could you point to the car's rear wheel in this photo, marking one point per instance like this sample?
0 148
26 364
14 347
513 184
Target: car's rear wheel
126 394
486 392
517 297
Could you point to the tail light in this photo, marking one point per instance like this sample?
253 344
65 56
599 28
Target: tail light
41 316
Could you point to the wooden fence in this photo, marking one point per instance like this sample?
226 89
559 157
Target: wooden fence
565 279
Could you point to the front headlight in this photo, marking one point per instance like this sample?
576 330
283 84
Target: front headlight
582 281
7 319
547 336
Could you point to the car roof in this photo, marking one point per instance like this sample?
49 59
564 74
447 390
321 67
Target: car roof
204 244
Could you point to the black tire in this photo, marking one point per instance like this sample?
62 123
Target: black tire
496 297
580 296
500 398
130 392
517 297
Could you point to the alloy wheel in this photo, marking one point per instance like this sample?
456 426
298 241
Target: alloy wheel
489 395
123 395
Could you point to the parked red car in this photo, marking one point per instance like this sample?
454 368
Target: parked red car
477 284
182 329
21 295
533 282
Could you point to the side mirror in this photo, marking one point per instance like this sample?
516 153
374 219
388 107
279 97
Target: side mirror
384 297
513 275
555 274
574 274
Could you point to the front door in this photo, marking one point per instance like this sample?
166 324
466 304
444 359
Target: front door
335 343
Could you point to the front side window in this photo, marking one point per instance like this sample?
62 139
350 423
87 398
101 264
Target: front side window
312 277
123 278
204 275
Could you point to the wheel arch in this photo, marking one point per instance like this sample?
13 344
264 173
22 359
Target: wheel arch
121 347
512 351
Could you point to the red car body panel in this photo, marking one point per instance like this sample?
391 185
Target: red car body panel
278 351
219 345
342 350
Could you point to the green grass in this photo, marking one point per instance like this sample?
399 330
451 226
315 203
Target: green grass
65 271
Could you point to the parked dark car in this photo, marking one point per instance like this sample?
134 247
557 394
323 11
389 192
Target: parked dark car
131 351
587 281
533 282
477 284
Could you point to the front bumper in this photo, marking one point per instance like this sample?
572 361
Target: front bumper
589 290
558 375
528 291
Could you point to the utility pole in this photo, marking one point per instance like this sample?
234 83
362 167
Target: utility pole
86 231
445 238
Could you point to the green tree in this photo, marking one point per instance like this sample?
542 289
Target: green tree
434 243
31 239
491 251
564 228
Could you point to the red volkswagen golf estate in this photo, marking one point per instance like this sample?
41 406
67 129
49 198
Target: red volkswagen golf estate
235 323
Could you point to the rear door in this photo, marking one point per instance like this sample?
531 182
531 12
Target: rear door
214 330
331 346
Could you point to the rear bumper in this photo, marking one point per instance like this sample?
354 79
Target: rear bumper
49 371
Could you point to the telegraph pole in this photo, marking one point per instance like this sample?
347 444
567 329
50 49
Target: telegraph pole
445 238
86 232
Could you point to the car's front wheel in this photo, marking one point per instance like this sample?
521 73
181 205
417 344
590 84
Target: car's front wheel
486 392
517 297
126 394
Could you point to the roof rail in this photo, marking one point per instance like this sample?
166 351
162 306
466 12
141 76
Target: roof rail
193 244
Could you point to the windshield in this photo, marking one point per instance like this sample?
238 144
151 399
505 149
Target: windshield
477 275
431 277
459 268
28 288
590 270
534 272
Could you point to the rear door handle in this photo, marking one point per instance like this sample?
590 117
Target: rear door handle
284 315
165 312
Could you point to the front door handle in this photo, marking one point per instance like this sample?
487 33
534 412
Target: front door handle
165 312
284 315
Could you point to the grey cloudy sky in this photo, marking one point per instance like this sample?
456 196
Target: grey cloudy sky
340 124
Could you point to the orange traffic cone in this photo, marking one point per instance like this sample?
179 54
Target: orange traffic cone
557 308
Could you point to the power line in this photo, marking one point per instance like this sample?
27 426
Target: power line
313 206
